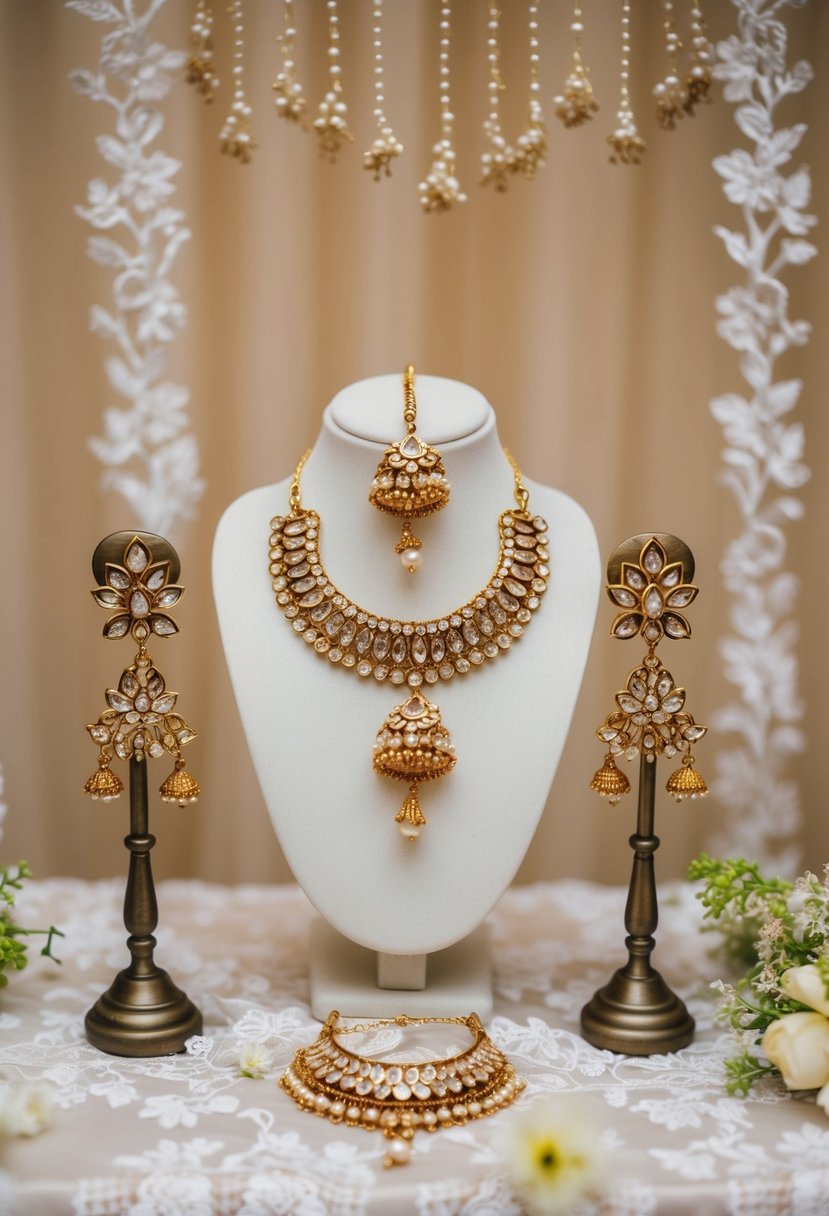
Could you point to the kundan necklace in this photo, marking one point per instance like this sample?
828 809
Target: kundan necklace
412 745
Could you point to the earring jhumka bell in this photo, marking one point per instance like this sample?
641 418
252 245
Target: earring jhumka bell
410 480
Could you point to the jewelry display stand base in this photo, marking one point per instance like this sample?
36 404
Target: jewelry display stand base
345 976
637 1016
145 1015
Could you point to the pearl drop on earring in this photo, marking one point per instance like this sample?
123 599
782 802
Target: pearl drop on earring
411 559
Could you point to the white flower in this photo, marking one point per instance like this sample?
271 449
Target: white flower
798 1044
255 1059
26 1109
551 1155
805 984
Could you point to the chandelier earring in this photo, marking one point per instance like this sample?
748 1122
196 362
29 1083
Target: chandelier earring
410 480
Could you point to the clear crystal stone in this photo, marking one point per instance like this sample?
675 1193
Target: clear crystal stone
139 604
476 657
653 603
397 676
399 650
419 652
137 558
626 627
504 641
525 542
515 629
635 578
454 640
364 668
304 584
670 577
673 704
316 600
470 633
295 527
381 646
414 679
380 672
484 624
462 665
334 625
506 600
446 671
524 573
497 613
335 654
293 559
430 675
363 641
347 632
302 568
410 446
321 645
517 588
163 626
524 614
675 626
682 597
438 648
490 649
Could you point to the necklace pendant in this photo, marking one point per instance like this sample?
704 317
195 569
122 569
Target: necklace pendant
413 745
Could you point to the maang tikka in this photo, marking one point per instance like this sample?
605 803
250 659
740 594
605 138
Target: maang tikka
410 480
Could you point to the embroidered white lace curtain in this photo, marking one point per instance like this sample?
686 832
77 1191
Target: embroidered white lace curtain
581 304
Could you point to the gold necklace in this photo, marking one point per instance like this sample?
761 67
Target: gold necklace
397 1099
412 745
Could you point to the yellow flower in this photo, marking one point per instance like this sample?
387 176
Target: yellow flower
551 1156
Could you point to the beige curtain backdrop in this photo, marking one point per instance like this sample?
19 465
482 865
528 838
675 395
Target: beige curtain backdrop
581 305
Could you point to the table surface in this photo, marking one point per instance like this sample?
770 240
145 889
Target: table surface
187 1136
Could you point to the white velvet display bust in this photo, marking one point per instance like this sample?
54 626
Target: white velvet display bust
311 726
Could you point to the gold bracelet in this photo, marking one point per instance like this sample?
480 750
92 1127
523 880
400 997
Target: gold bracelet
397 1099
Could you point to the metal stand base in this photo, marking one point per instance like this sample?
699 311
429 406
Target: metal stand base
144 1015
637 1016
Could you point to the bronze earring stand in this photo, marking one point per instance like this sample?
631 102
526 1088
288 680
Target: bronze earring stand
637 1013
142 1013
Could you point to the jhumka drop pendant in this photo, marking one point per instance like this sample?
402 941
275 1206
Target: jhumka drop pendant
410 480
413 745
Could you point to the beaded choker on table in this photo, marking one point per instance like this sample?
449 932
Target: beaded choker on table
412 745
398 1099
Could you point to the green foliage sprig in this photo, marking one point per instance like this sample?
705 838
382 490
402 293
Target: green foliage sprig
768 925
13 951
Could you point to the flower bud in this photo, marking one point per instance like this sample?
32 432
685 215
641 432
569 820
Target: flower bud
805 984
798 1044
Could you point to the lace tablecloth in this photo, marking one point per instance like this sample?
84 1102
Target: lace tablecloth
187 1136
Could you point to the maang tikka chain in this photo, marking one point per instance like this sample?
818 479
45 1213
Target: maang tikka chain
410 480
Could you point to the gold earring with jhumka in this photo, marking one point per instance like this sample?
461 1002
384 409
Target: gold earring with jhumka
410 480
650 718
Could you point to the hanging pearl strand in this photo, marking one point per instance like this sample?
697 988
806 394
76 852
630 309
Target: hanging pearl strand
698 82
385 146
497 160
235 136
331 121
670 94
531 145
441 189
288 101
626 144
577 103
200 70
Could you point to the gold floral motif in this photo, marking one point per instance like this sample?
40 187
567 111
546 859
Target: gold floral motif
138 589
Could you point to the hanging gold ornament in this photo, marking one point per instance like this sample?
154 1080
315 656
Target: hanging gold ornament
413 745
410 480
609 781
104 784
686 781
181 786
650 718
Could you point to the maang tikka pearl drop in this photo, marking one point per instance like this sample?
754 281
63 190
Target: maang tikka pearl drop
410 480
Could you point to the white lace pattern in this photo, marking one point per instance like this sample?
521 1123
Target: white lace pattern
188 1136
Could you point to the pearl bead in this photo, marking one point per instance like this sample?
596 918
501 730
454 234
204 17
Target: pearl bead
410 830
411 559
398 1151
